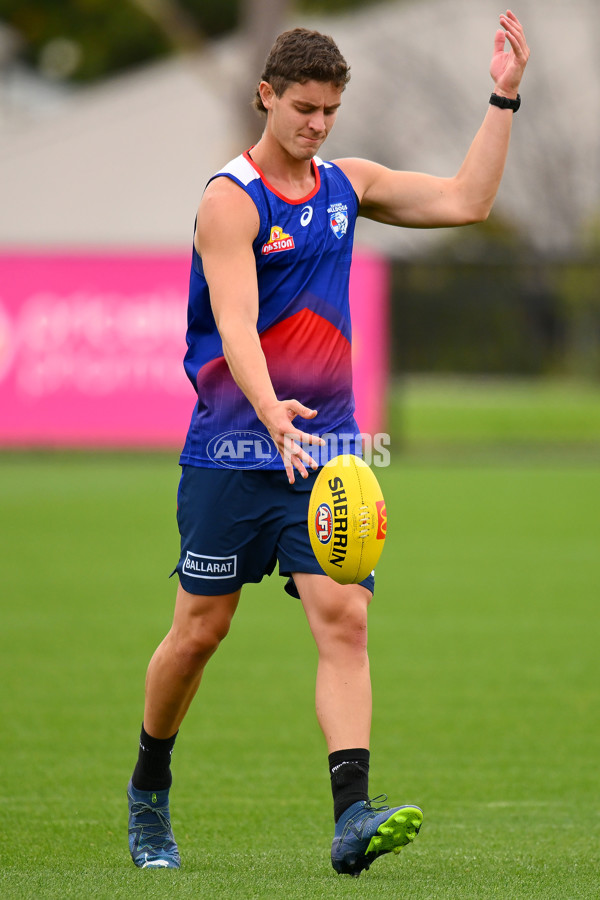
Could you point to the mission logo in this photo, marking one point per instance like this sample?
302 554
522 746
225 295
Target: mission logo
278 241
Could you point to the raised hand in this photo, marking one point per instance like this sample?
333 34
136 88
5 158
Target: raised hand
507 67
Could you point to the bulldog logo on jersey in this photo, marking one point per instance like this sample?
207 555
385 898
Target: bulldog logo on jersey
278 241
338 219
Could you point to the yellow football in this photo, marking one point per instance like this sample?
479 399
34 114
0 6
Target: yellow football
347 519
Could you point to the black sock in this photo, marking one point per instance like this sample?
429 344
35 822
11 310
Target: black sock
349 771
153 769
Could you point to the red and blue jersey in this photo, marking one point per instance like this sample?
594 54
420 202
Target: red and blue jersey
303 253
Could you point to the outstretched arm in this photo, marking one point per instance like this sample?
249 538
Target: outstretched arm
226 227
425 201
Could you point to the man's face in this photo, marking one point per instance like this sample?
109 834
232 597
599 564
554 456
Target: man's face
303 116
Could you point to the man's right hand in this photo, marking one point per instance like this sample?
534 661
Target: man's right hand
278 417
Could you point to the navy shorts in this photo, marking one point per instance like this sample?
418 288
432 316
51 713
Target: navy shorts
235 525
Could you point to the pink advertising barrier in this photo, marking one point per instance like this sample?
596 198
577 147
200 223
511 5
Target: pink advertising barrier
91 348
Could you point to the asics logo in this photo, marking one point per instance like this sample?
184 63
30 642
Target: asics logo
307 214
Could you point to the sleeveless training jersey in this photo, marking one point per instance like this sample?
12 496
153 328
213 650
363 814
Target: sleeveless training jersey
303 252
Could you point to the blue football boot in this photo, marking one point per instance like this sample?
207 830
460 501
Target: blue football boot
364 832
151 841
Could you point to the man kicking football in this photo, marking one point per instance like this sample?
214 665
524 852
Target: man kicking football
269 353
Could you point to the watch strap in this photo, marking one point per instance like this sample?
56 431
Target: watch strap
505 102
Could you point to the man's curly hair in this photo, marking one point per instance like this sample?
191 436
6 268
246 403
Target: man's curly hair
301 55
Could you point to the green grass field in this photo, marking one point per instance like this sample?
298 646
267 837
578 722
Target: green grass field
496 417
484 642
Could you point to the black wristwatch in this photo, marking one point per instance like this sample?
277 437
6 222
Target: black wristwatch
505 102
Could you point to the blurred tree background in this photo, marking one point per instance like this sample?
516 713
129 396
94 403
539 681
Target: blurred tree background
85 40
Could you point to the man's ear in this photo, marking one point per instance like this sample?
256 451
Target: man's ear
267 94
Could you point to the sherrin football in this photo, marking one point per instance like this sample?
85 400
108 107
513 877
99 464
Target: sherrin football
347 520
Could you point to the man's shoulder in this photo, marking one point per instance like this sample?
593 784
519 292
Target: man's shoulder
240 168
343 168
228 203
232 186
358 172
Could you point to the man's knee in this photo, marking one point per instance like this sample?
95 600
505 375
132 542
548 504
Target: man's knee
200 624
352 627
343 621
193 646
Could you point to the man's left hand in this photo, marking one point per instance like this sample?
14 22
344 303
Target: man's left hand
507 67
